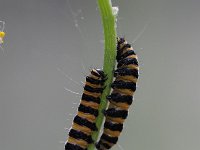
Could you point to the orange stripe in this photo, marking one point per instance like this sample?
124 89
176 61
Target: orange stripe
123 106
93 85
92 94
127 78
130 66
81 143
124 91
89 117
84 129
111 133
116 120
90 104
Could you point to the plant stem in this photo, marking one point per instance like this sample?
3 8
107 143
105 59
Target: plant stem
108 20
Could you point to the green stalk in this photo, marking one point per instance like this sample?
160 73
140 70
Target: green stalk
109 21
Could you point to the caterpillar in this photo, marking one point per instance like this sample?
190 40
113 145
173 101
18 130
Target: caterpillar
84 122
121 97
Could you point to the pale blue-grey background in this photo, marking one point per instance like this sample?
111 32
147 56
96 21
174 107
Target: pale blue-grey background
49 39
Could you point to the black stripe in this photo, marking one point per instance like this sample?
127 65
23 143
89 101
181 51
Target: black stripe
106 145
113 126
109 138
124 47
112 112
89 98
123 85
91 89
126 72
121 56
117 97
69 146
88 110
84 122
101 145
94 81
127 61
80 135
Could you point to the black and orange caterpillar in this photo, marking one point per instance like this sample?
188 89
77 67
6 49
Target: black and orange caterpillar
124 86
84 122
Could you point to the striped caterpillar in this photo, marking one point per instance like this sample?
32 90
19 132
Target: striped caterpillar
121 97
84 122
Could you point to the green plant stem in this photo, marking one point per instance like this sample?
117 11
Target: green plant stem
109 21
